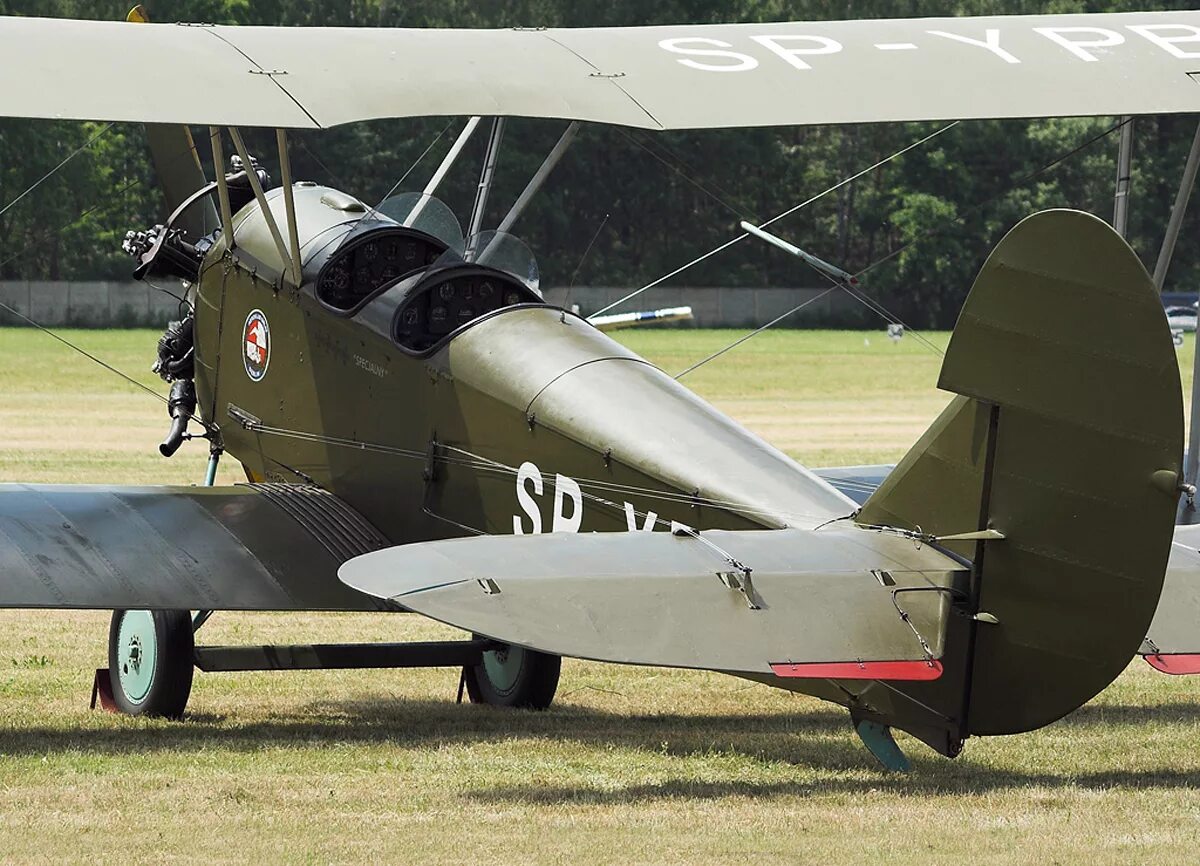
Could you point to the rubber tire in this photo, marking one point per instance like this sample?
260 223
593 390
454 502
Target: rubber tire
171 682
533 688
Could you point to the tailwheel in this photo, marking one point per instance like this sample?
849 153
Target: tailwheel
514 677
150 657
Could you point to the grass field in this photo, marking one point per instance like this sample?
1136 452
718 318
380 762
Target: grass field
631 765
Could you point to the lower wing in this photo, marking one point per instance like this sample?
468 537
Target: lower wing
246 547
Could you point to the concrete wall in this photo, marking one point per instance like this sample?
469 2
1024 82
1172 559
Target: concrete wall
101 304
87 304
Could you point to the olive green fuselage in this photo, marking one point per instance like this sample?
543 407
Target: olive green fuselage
429 445
527 419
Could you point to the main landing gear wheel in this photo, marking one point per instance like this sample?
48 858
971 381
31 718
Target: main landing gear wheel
150 657
514 677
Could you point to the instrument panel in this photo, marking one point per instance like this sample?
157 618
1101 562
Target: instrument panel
453 299
372 262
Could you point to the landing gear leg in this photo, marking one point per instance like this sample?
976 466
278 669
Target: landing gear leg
150 658
514 677
880 743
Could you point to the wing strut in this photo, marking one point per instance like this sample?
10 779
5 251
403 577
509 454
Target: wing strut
289 203
539 178
444 169
218 152
486 176
260 197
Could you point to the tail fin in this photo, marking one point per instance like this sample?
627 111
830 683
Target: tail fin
1067 438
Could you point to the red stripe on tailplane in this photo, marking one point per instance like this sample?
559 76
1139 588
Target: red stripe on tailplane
908 670
1177 664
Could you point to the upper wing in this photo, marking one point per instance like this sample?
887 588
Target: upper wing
676 77
260 547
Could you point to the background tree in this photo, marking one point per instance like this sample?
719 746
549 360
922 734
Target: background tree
922 224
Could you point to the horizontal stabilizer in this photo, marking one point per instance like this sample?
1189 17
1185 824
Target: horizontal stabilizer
679 601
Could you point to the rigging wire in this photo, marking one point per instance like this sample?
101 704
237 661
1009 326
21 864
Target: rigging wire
756 332
107 201
980 205
478 461
660 142
739 213
582 260
878 308
412 167
332 174
738 239
132 381
56 168
471 460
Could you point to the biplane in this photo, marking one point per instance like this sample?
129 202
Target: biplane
422 432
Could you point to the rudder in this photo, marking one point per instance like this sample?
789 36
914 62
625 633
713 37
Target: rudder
1067 440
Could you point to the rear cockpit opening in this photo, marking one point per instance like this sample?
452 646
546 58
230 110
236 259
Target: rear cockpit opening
494 270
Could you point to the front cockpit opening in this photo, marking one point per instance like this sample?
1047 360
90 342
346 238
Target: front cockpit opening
405 234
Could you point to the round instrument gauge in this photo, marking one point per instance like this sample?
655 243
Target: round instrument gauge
341 279
446 291
465 314
371 251
486 290
437 314
511 298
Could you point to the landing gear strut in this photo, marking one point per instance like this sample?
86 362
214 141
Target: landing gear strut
513 677
150 656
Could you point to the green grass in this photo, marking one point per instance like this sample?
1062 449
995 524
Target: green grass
631 766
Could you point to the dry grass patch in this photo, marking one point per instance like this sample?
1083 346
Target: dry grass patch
631 766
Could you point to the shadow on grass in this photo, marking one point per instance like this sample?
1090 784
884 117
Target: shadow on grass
1132 714
926 780
817 740
769 736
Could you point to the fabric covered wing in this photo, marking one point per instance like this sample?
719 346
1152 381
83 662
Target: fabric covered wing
201 548
672 77
658 599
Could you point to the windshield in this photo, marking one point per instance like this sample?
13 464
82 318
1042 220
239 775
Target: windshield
424 213
500 251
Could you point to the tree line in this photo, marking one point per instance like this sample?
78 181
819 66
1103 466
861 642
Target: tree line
627 206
